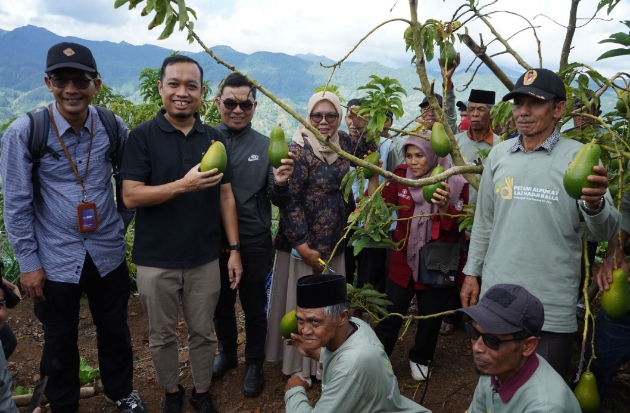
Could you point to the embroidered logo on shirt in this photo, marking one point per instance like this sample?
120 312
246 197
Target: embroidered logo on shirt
253 158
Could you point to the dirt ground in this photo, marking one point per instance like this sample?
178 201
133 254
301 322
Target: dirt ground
450 389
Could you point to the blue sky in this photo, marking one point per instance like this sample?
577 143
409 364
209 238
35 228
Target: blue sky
326 27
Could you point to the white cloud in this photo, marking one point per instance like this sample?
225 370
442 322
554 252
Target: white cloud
325 27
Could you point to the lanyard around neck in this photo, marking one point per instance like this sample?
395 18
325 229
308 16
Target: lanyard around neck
65 150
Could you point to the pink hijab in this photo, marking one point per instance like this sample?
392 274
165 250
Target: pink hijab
421 227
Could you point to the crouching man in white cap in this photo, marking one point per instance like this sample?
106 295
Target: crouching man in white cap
356 373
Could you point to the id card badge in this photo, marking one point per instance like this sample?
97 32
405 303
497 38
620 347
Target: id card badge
87 216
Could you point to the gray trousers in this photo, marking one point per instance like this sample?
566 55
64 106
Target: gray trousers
161 290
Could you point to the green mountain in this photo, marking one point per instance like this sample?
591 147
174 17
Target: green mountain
291 78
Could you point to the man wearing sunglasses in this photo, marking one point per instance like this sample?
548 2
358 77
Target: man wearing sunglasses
60 258
257 184
504 332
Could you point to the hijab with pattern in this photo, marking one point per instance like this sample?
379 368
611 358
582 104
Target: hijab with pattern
421 227
323 152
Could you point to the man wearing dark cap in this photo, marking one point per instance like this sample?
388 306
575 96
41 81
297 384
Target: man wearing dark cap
504 333
356 373
428 117
527 229
480 135
464 124
62 251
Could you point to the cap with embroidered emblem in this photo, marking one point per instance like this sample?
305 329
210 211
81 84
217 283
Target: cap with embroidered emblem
542 84
70 55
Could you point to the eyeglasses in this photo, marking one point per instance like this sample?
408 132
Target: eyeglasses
490 341
232 104
79 82
330 117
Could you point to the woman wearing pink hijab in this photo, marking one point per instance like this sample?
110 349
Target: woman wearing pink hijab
403 278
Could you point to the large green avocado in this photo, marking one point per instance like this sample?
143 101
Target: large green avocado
440 143
373 159
580 168
278 149
615 299
448 54
587 394
215 157
429 190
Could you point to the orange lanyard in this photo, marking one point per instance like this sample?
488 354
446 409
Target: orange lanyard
65 150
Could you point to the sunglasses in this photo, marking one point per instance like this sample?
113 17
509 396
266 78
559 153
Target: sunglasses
330 117
232 104
79 82
490 341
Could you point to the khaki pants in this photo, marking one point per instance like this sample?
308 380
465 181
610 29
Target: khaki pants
160 292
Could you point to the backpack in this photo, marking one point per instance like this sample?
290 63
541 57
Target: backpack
38 147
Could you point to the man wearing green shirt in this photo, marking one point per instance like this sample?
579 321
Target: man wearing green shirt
504 332
356 373
527 229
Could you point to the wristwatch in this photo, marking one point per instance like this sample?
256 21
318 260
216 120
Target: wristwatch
235 247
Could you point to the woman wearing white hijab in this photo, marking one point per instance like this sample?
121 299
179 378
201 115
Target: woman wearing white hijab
312 224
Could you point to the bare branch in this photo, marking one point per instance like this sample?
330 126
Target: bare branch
471 78
481 54
568 39
504 42
337 64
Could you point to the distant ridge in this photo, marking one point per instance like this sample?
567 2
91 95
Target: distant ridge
291 78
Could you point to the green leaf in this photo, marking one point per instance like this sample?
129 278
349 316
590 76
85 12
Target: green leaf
119 3
614 53
168 30
583 81
358 246
183 16
158 19
192 12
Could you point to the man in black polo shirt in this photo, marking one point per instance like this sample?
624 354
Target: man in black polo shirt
178 229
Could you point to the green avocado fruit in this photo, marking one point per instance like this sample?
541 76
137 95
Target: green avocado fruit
373 159
587 394
615 163
429 190
615 299
289 325
623 101
278 149
215 157
440 143
448 52
580 168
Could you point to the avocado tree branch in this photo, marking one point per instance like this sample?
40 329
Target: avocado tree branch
428 92
337 64
504 42
481 54
568 39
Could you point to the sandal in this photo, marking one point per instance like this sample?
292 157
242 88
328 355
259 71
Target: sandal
446 329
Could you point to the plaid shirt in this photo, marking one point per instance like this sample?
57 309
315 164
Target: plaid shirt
547 145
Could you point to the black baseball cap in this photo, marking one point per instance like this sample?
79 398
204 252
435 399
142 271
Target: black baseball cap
425 101
70 55
542 84
461 105
507 309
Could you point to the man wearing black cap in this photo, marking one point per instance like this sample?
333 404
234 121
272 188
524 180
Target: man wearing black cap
464 124
504 333
427 116
527 229
356 373
73 243
480 135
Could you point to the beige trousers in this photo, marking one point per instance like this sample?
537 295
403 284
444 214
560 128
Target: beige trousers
161 290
